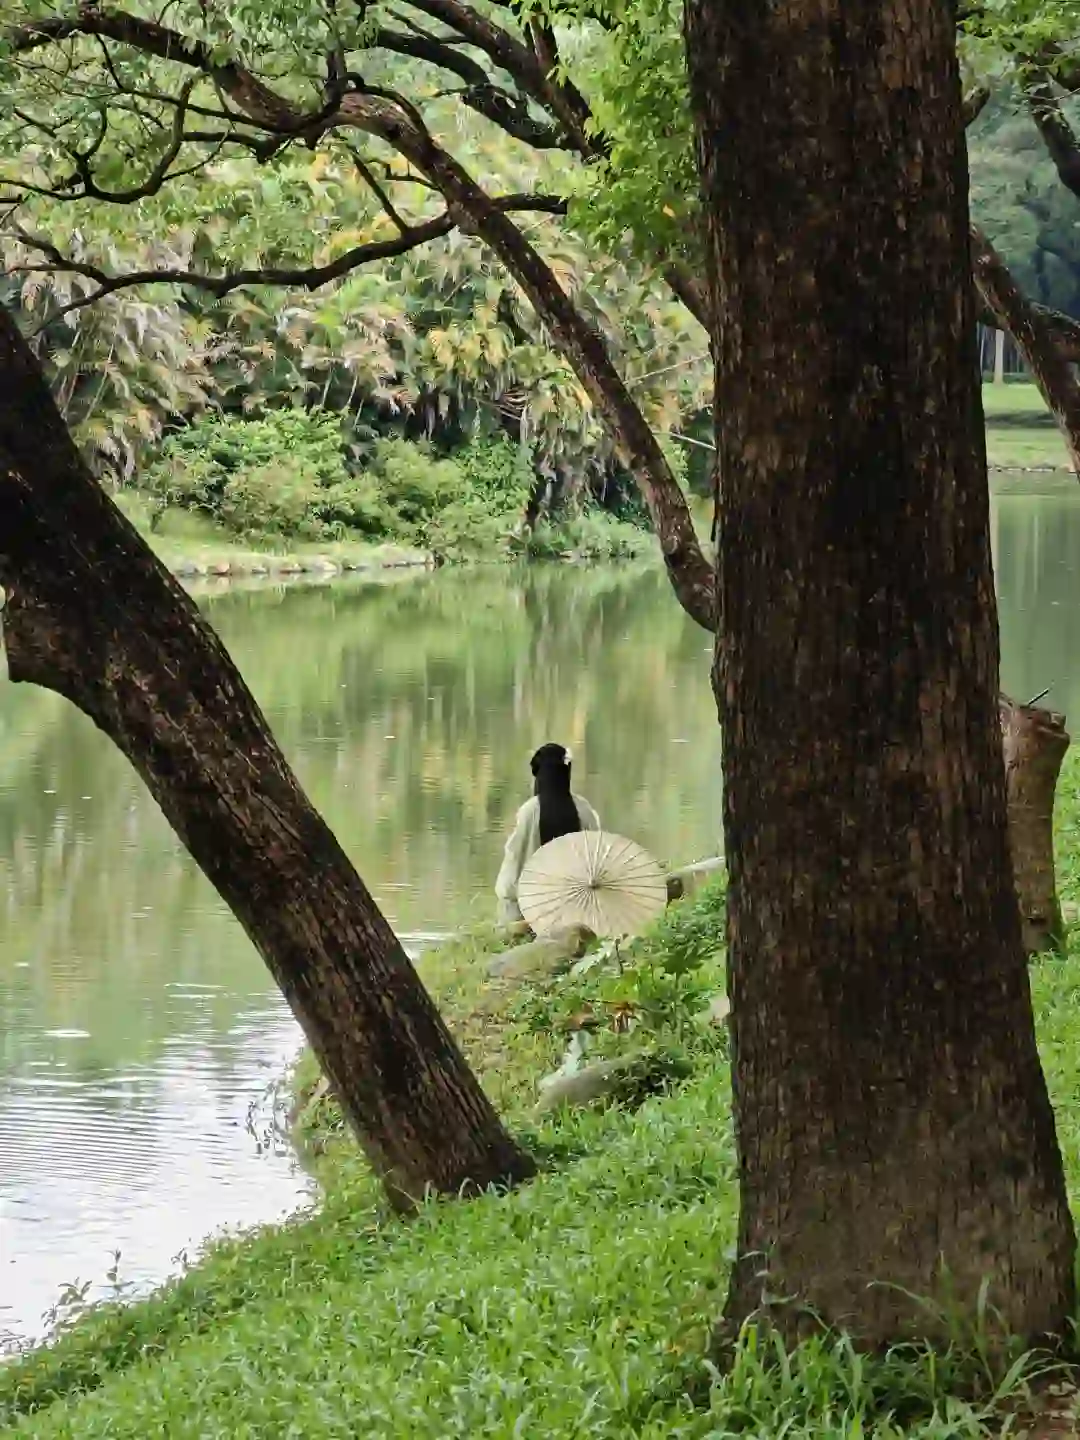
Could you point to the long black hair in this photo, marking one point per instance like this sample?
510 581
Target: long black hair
558 813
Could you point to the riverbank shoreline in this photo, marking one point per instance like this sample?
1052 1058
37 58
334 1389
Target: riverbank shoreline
289 567
195 547
587 1293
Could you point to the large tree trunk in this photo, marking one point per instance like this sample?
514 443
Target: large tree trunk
92 614
894 1131
1034 743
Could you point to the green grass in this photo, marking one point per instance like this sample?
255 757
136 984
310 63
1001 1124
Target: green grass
182 536
579 1306
1020 431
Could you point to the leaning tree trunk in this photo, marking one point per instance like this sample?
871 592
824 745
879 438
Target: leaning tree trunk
93 615
1034 743
578 341
1029 327
894 1131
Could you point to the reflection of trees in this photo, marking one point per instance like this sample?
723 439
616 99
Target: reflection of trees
468 672
409 711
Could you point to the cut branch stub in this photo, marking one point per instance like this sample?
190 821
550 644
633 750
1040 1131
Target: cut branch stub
1034 742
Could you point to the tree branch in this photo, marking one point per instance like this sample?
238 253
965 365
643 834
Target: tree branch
378 190
393 119
975 102
1053 125
1062 329
692 577
521 62
83 184
421 46
693 293
1053 373
258 101
546 49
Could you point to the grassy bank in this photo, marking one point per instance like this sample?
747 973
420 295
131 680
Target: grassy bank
1020 431
578 1306
191 545
194 545
289 490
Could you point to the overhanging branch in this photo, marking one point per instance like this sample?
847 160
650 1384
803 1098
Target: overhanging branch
302 278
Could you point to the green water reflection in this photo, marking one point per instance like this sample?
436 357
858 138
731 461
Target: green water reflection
136 1022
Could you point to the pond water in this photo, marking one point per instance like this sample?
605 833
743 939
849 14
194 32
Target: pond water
137 1024
139 1031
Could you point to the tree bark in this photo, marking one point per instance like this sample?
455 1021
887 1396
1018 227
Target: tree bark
1034 744
894 1131
1053 372
93 615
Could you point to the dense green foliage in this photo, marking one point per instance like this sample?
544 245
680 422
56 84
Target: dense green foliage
288 476
433 345
434 342
1019 201
293 476
422 344
578 1305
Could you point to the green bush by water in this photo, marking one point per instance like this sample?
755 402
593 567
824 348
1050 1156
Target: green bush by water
289 476
578 1306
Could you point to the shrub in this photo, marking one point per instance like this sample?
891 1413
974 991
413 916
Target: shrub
591 535
413 484
498 472
276 499
258 477
496 477
286 475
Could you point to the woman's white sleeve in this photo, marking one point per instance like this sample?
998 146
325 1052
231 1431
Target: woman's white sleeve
590 820
514 858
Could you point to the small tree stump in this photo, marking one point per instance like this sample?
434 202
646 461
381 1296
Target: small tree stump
1034 742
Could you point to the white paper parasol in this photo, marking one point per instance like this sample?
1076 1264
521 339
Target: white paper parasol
605 882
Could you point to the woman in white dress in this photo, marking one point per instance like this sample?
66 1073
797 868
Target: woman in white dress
552 811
